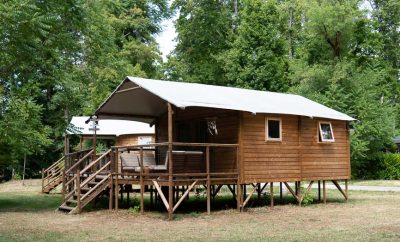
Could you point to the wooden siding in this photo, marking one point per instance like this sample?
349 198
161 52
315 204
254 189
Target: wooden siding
270 160
130 139
324 160
221 159
299 156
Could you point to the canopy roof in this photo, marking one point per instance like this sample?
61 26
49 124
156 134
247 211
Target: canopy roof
145 99
108 127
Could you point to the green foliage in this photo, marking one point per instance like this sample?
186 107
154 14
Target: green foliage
257 59
390 166
308 197
204 28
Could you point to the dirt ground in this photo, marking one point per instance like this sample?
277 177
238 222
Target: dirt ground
27 215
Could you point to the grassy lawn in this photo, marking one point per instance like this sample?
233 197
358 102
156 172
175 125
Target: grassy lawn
384 183
27 215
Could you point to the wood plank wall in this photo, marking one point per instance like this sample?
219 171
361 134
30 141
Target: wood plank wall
299 156
324 161
221 159
130 139
273 160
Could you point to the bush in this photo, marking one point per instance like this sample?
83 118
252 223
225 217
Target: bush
390 167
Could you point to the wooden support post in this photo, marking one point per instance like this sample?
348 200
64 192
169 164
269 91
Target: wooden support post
280 192
319 191
170 163
346 187
271 189
244 191
110 202
340 189
151 195
239 196
42 179
63 189
324 191
116 190
78 190
258 191
141 182
249 197
208 180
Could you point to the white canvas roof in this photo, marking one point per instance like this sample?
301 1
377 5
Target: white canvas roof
144 100
109 127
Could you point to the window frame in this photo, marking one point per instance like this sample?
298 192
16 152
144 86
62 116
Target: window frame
319 132
267 139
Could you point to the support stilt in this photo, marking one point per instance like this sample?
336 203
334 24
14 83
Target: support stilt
271 187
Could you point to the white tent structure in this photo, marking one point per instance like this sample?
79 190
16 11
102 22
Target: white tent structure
113 128
151 96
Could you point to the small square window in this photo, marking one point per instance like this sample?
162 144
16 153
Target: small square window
273 129
325 132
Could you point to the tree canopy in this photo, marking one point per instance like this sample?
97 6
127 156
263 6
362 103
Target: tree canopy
62 58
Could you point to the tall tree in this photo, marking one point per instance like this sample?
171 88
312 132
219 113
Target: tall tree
204 29
258 56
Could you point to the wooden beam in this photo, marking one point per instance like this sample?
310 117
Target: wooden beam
141 182
280 192
291 191
249 196
110 202
216 191
346 189
163 199
123 115
324 191
340 189
184 195
127 90
271 189
208 180
170 162
319 190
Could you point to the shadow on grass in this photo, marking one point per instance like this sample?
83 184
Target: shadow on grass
196 205
28 202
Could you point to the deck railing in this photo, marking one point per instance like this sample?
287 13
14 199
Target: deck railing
171 178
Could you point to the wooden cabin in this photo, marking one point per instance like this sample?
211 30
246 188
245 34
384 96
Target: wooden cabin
222 136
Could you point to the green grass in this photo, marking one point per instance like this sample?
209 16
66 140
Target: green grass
367 216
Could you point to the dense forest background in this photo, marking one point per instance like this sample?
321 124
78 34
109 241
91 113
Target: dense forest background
63 57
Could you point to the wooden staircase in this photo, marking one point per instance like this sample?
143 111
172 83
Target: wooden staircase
52 176
80 187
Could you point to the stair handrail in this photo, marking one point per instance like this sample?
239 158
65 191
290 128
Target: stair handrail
91 164
97 185
87 180
80 161
54 164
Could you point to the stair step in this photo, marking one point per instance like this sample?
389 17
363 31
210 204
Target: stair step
72 201
65 207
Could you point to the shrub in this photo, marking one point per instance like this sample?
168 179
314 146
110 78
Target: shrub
390 166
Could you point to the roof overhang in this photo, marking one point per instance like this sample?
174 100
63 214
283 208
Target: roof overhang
145 100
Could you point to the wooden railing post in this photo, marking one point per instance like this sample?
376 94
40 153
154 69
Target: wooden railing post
141 182
208 180
78 189
170 160
42 179
63 186
110 202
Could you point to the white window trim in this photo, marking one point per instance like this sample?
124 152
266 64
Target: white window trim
320 133
266 129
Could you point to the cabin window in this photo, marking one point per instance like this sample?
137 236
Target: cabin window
273 129
325 132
